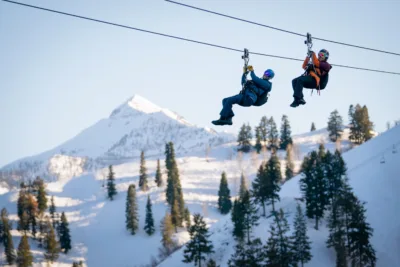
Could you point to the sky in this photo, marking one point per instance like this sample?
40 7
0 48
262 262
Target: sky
60 75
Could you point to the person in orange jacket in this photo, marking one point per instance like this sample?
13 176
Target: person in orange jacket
315 77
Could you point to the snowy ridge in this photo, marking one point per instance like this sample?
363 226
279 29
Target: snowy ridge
134 126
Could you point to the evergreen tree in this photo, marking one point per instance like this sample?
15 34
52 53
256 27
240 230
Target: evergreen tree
250 214
24 255
274 176
366 124
312 127
361 252
301 242
237 217
131 211
174 188
32 211
243 186
51 245
149 222
176 216
263 127
224 197
335 126
273 134
199 243
143 173
111 189
279 245
77 264
52 210
313 186
289 172
65 237
159 180
244 138
248 254
42 197
167 231
7 237
260 187
286 132
22 204
258 145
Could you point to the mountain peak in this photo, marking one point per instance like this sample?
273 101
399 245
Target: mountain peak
136 103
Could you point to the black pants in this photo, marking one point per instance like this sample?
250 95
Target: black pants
302 82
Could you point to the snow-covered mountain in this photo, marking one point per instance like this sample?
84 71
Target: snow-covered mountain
374 174
135 125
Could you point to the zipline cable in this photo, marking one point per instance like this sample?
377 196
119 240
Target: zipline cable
185 39
282 30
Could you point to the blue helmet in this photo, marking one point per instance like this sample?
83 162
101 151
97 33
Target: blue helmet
269 73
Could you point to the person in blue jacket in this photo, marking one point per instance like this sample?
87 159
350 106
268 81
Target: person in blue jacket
254 93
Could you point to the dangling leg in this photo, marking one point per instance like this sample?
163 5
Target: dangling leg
298 84
226 112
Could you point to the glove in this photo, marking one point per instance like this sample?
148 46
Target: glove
310 53
250 68
244 70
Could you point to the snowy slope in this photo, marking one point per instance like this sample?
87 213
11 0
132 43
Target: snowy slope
82 197
135 125
374 182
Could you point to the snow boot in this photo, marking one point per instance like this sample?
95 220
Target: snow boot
223 121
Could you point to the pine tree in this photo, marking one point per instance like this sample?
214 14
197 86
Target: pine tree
263 126
313 186
7 237
260 187
22 203
52 210
158 180
111 189
289 172
273 135
301 242
312 127
366 124
174 188
143 173
24 255
286 132
131 211
32 211
199 243
274 176
258 145
224 197
176 216
167 231
248 254
65 237
243 186
237 217
149 222
42 197
279 245
51 245
244 138
361 252
250 214
335 126
77 264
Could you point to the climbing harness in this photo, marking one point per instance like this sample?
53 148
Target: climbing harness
310 65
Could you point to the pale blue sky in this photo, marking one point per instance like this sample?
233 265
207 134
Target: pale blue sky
59 75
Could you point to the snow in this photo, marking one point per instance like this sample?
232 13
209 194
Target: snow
98 225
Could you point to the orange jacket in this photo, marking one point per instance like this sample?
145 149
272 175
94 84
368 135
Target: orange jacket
316 66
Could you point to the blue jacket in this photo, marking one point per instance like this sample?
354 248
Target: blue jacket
259 86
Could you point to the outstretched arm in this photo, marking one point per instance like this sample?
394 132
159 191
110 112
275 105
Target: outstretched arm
265 85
